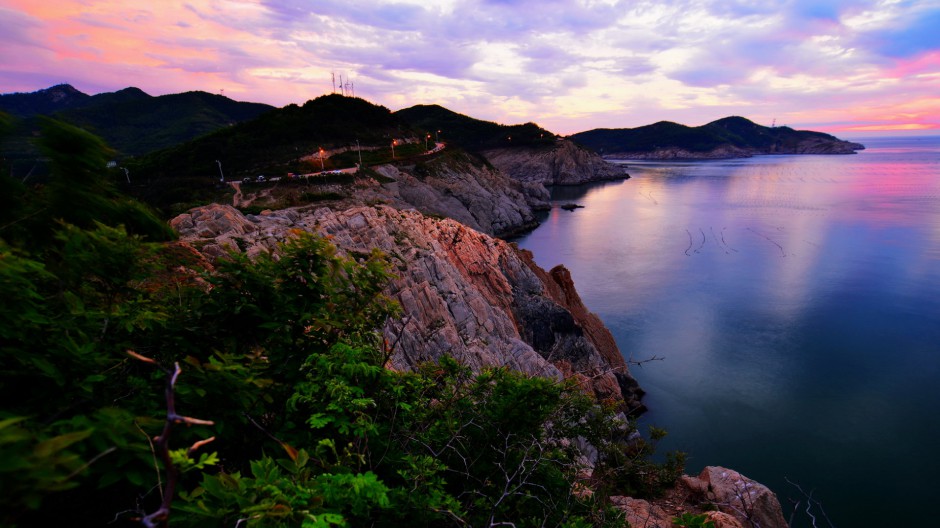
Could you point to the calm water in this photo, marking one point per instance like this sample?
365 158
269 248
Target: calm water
796 303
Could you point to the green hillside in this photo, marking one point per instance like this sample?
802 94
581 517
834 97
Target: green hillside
135 123
274 144
473 134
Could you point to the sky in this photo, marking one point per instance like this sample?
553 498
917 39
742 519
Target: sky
851 68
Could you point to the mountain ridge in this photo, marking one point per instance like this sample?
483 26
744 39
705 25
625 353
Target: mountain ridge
129 120
728 137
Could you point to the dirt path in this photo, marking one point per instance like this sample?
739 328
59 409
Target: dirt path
236 200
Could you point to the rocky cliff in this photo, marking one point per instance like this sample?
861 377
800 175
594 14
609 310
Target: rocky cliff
486 303
463 293
564 163
455 187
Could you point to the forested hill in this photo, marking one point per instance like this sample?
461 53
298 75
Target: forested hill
725 138
470 133
129 120
276 139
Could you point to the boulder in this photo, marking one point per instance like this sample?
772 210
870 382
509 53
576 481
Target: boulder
727 498
745 499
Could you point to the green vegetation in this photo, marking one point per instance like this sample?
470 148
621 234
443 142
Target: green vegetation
272 144
730 131
106 332
689 520
474 134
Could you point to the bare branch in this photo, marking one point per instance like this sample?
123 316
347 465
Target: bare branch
158 519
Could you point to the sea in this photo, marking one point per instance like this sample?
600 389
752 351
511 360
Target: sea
783 315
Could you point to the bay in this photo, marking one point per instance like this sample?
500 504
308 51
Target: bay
795 303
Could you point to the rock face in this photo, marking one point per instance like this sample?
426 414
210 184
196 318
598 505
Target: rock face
740 502
478 197
563 164
463 293
499 199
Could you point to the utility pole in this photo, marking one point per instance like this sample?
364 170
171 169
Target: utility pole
358 148
333 74
321 159
221 176
393 147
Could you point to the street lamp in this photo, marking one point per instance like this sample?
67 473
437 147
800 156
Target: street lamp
358 148
221 176
436 136
394 141
426 142
321 159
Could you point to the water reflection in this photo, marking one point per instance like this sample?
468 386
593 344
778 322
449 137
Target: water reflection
796 299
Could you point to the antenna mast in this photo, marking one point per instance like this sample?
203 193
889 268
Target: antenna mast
333 74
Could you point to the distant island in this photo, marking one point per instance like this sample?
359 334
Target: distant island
730 137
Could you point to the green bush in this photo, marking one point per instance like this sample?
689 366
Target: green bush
284 355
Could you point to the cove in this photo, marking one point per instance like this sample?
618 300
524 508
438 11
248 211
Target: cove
794 302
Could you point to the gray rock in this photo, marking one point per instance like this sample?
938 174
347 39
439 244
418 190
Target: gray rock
563 164
462 292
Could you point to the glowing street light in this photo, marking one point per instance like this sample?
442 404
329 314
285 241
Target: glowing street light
321 159
394 142
426 142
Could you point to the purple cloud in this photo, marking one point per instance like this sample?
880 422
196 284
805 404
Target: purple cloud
19 29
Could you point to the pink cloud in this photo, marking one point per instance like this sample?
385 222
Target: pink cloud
928 63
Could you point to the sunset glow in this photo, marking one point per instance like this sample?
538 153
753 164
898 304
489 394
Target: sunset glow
570 65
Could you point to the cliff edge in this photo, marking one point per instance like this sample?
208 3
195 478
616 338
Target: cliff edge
463 293
564 163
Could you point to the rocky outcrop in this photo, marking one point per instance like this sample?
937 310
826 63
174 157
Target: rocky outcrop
499 200
727 498
478 197
486 303
562 164
453 185
463 293
817 145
